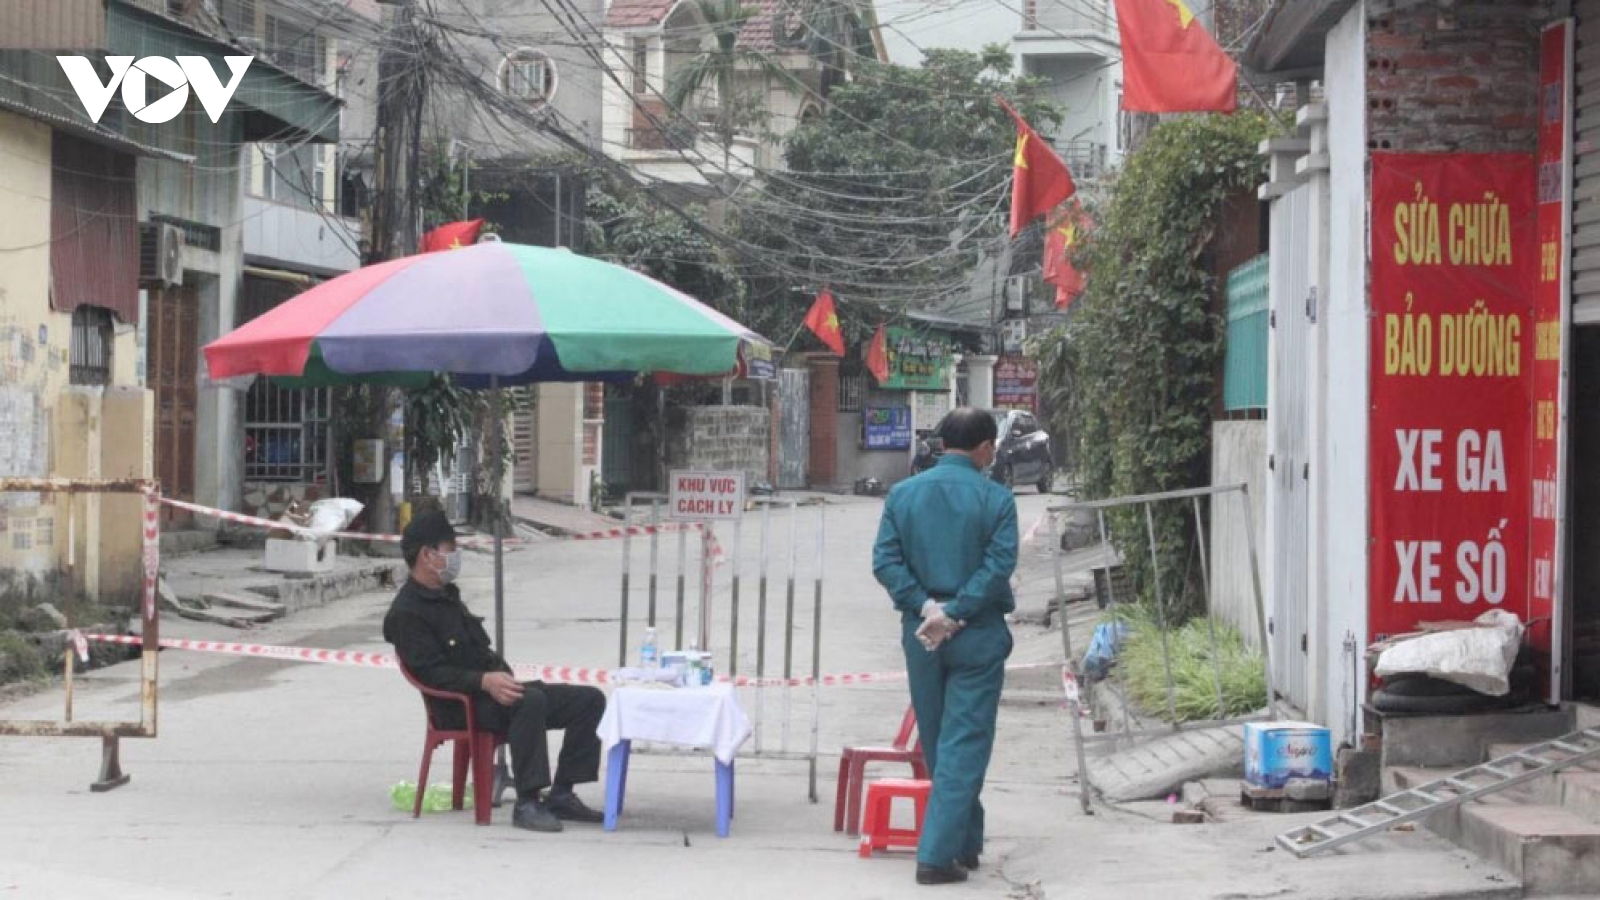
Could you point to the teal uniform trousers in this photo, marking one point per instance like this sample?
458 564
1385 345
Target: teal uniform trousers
950 534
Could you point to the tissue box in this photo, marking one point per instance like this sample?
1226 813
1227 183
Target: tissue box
300 556
1275 752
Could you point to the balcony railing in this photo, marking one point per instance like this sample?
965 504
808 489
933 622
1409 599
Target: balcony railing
1086 159
1075 18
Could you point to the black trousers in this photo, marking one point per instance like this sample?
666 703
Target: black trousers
575 710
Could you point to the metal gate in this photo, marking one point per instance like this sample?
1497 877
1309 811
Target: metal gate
760 618
794 434
616 464
1586 169
1288 446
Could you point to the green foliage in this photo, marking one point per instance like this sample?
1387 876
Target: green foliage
1131 378
1194 675
627 228
20 659
894 193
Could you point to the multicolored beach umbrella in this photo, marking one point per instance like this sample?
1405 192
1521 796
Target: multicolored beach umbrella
514 313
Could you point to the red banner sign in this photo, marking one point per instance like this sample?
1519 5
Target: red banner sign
1016 384
1453 267
1550 317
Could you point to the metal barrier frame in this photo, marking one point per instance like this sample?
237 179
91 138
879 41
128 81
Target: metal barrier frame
1148 501
109 732
650 505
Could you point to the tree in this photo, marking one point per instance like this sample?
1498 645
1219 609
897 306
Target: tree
1132 376
894 194
719 66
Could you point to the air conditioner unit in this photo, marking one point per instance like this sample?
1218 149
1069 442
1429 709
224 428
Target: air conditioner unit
160 255
1019 289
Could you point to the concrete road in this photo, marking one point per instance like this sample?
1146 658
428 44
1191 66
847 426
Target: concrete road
272 779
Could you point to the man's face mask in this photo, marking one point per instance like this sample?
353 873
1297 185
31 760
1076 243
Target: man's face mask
451 570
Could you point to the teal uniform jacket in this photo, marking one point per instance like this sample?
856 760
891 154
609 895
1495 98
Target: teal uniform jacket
950 534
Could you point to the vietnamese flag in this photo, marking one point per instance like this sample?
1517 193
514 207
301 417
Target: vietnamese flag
823 320
451 236
1169 62
1040 181
878 356
1059 243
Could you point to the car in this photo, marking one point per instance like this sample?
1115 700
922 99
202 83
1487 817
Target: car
1022 454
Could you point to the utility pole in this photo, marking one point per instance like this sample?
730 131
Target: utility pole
402 94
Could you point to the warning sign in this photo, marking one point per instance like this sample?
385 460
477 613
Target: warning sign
706 496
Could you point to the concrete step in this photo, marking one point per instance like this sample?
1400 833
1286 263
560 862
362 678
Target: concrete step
175 543
271 608
1526 830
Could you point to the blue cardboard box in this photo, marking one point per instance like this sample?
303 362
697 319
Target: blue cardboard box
1275 752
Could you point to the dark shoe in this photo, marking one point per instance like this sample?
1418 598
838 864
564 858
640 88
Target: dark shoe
940 874
569 808
533 815
970 863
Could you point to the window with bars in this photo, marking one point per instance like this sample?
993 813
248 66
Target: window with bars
286 433
852 392
285 429
93 333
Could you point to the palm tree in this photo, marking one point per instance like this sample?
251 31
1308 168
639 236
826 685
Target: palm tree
719 65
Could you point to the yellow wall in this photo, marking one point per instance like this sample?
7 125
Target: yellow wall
46 427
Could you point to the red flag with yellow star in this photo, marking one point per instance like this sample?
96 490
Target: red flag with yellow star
1040 181
1059 243
451 236
823 320
878 355
1169 62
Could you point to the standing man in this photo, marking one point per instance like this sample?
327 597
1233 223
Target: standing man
445 647
947 545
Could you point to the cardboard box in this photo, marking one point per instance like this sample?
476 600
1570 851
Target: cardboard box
1275 752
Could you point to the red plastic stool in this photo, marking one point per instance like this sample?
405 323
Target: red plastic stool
876 833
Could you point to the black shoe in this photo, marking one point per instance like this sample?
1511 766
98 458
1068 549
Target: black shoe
970 863
940 874
569 808
532 815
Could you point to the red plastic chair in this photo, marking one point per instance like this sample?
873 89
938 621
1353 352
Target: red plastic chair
852 772
471 746
878 834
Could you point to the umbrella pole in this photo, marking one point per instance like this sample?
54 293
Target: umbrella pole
496 440
502 768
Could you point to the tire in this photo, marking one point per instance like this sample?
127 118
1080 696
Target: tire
1006 477
1047 481
1441 705
1419 685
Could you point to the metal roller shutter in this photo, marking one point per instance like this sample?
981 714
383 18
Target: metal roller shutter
1586 168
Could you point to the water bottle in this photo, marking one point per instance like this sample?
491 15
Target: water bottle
649 651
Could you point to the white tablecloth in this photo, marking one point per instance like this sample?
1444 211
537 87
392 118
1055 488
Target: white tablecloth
707 717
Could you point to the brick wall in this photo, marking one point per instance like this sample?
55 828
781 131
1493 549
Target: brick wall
1453 76
824 420
724 439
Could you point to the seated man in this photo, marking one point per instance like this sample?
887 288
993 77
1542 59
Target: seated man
445 647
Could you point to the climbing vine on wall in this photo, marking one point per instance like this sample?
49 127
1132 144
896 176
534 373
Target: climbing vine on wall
1131 377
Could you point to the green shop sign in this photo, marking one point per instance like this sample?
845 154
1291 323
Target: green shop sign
919 359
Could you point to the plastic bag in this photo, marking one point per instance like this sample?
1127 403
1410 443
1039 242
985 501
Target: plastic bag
330 515
435 799
1103 649
1479 658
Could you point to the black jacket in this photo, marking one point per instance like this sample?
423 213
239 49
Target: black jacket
444 645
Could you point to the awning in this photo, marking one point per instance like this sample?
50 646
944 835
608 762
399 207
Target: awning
276 106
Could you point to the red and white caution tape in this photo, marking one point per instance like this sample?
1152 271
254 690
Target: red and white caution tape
524 671
258 522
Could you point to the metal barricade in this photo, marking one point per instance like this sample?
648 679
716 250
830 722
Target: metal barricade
784 531
1131 731
109 732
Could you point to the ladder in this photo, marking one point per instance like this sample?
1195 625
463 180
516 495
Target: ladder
1526 765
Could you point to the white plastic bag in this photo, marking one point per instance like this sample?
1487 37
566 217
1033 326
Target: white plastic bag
328 516
1479 658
